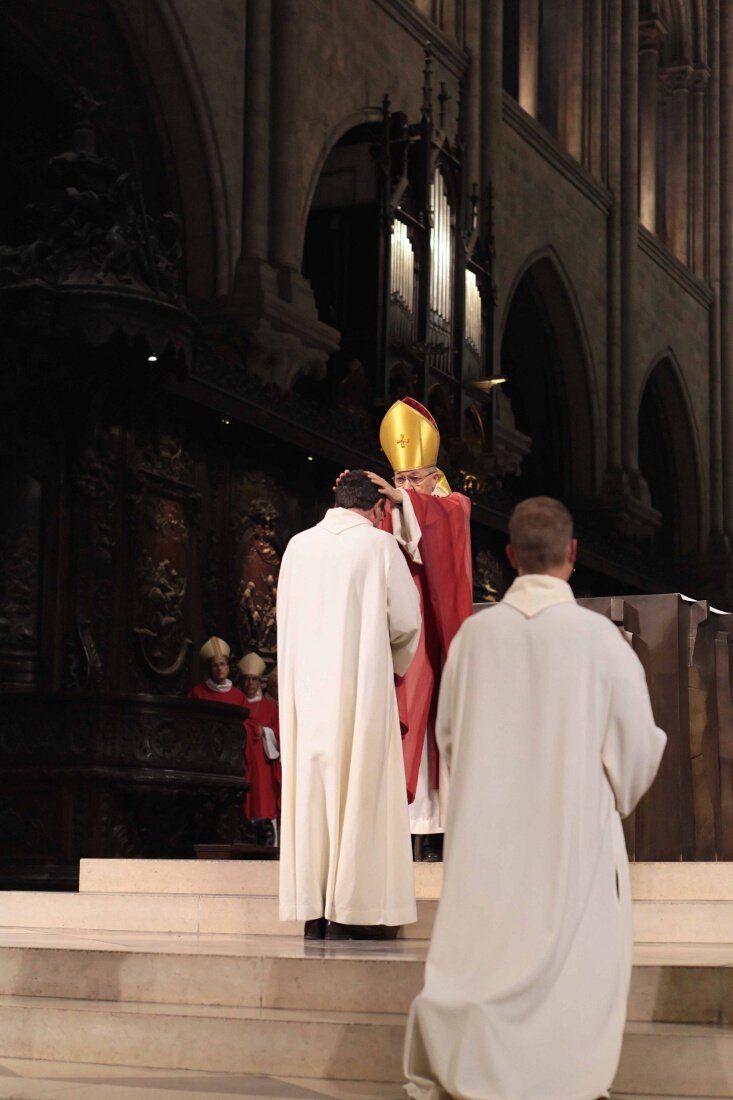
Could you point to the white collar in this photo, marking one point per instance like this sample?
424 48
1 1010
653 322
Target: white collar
535 592
226 686
255 698
337 520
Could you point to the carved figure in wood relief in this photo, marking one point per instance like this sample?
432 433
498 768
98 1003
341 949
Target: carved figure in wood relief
258 581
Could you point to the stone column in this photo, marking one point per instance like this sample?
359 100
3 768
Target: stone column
629 232
285 210
698 145
651 34
613 179
529 45
676 82
713 245
570 76
256 168
726 258
593 126
491 127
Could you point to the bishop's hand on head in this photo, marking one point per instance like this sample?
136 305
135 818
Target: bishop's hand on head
337 482
387 490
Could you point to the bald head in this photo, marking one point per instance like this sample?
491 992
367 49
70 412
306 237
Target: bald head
541 537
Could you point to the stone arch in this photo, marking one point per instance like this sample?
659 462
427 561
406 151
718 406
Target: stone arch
167 64
547 360
670 459
131 61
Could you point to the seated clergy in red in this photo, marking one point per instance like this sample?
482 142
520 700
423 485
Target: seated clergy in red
263 798
217 688
432 525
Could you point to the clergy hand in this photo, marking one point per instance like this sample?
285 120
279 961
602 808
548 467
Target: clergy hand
387 490
338 479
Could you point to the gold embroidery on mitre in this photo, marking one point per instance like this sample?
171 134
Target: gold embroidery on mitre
408 439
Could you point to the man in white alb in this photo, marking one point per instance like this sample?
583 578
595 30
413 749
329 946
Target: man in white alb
545 721
348 619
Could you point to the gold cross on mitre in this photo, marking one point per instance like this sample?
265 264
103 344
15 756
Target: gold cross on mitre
402 441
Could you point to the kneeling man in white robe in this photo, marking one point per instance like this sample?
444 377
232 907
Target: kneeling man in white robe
545 719
348 619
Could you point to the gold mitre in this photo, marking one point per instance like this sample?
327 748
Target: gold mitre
214 650
251 665
409 436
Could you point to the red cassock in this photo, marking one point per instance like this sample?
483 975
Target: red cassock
263 797
444 582
234 695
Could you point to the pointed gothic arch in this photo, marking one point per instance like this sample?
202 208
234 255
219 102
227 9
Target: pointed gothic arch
547 361
670 459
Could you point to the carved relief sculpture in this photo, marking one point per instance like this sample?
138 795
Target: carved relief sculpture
257 591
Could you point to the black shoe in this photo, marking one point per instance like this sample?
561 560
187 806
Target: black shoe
432 848
336 931
315 929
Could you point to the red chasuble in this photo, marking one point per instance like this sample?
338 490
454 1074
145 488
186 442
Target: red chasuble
234 695
444 582
263 797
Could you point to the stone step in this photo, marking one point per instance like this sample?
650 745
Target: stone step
665 1059
683 921
332 1045
233 914
676 1060
25 1079
682 985
223 914
246 878
649 881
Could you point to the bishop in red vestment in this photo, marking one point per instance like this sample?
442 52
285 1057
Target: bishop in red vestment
217 688
432 525
263 797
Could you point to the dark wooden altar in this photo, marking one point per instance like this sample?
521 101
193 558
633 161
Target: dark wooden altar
137 776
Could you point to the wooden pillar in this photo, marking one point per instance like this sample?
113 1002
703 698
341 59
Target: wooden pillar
256 169
651 34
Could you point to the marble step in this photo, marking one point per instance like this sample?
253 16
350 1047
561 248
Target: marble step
222 914
331 1045
26 1079
246 878
686 984
667 1059
676 1060
654 921
649 881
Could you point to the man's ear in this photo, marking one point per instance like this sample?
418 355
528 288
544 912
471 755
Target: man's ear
512 556
573 551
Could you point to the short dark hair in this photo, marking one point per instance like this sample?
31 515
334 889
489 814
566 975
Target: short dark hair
540 529
355 490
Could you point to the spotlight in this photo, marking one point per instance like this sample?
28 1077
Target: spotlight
153 358
310 458
225 420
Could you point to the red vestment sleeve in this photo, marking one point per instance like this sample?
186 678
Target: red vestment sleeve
444 582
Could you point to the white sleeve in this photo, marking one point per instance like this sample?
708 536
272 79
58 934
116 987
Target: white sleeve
406 528
633 744
403 611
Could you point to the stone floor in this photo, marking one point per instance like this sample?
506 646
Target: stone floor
26 1079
